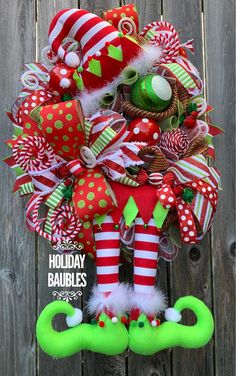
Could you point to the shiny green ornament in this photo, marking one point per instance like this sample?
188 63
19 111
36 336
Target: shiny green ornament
151 93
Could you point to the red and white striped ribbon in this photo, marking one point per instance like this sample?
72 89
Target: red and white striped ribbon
145 255
107 254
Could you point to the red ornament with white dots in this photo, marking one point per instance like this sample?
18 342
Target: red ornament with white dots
145 130
61 79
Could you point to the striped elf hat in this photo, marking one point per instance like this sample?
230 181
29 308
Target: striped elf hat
105 51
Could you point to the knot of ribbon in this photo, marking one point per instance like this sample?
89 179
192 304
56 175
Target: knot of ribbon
107 146
190 187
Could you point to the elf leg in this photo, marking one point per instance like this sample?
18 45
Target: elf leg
146 298
109 295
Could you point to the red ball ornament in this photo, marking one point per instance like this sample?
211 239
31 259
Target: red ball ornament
61 79
145 130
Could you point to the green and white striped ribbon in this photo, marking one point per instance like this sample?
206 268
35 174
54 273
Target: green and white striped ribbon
181 75
47 224
87 130
26 188
127 181
56 196
103 140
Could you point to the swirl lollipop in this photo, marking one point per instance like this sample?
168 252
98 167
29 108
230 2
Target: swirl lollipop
33 154
64 223
174 144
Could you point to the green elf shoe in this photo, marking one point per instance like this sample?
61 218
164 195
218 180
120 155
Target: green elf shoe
146 339
107 336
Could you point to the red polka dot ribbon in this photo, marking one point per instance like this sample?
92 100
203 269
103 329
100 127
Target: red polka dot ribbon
201 208
63 127
91 195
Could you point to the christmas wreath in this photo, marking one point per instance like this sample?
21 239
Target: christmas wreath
111 137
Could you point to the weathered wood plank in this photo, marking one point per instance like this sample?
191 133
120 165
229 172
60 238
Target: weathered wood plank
220 52
17 245
47 365
158 364
191 271
97 364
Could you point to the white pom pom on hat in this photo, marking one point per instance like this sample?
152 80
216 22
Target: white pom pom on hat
72 60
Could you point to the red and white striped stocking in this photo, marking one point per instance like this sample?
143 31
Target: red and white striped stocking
108 253
145 256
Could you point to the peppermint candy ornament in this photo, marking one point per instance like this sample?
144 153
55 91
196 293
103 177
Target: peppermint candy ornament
174 144
33 154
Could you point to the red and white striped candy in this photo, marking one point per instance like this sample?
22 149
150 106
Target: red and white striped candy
174 144
163 34
156 178
65 224
33 154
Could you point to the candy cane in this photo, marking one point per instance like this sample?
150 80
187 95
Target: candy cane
163 34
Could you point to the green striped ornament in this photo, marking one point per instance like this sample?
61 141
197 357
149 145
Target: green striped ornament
152 93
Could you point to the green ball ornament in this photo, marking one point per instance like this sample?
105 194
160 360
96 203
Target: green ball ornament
151 93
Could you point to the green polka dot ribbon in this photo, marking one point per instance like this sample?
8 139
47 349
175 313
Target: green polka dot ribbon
91 196
62 125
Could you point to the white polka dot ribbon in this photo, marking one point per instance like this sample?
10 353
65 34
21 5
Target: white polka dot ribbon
201 208
186 221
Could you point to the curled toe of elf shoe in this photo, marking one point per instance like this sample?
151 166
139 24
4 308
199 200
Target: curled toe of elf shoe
146 339
107 336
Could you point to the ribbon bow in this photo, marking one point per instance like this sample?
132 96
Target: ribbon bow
106 146
191 188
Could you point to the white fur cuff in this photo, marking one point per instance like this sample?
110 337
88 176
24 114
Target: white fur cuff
117 301
150 303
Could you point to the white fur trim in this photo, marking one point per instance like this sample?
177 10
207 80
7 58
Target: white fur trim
117 301
171 314
75 319
150 304
90 101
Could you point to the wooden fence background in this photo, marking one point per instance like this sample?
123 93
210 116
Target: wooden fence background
206 270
